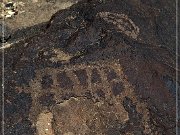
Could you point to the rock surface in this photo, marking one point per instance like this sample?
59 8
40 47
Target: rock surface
30 16
99 68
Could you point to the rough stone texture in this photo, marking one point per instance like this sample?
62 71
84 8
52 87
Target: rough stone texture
31 12
99 68
31 16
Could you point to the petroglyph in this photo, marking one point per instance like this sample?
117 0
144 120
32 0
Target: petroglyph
99 92
122 22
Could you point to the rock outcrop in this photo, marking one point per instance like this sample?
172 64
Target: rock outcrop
99 68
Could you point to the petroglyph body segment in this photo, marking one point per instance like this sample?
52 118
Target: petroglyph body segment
77 78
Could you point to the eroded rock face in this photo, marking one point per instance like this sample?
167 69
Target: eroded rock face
91 72
94 108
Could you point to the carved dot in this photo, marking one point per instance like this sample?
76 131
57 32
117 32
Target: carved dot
46 81
117 88
82 76
88 95
100 93
64 81
95 77
111 74
47 99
